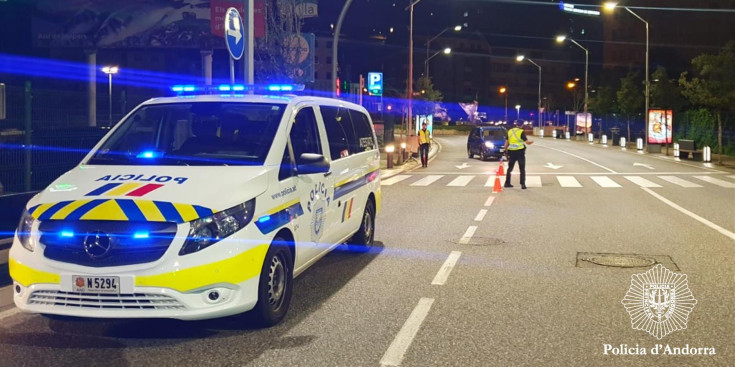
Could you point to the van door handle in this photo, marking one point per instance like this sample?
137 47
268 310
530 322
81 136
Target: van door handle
327 173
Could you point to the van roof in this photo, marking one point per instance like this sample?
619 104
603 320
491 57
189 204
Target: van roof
253 98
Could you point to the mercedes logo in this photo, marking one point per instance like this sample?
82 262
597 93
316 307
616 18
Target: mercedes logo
97 244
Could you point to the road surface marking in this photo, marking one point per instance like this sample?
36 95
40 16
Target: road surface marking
582 158
468 235
394 179
568 181
397 349
489 201
731 176
481 215
716 181
604 181
443 274
696 217
426 181
461 181
490 181
640 181
679 181
533 181
9 313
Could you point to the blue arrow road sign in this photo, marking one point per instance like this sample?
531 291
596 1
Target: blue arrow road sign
234 33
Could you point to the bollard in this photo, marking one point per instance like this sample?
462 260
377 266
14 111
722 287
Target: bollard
553 134
567 135
623 143
707 154
404 153
541 133
389 150
639 144
590 138
604 140
676 150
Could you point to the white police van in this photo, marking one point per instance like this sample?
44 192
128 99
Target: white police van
200 206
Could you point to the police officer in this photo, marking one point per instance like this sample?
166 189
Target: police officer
515 149
424 144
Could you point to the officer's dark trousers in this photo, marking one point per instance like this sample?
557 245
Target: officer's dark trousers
424 152
513 157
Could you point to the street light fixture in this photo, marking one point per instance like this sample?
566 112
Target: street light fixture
520 58
504 91
610 6
518 112
560 39
456 28
445 51
109 70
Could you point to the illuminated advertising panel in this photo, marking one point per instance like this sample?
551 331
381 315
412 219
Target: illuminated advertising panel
660 126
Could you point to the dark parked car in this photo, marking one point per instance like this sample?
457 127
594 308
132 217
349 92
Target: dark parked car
486 142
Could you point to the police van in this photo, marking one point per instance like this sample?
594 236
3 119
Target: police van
200 206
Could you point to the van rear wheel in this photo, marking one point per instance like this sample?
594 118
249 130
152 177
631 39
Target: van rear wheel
363 239
469 153
275 285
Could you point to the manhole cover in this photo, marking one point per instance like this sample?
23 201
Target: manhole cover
481 241
621 261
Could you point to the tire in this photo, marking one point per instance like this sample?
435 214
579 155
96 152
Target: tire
362 240
275 285
469 153
483 157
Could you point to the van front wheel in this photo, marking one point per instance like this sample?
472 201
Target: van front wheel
362 241
275 285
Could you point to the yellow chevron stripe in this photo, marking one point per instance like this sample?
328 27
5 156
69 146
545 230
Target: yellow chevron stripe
150 211
123 189
41 208
234 270
108 210
27 276
186 211
65 211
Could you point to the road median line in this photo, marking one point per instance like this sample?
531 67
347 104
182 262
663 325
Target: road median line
398 348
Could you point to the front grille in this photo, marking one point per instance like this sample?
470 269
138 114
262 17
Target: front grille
131 301
116 242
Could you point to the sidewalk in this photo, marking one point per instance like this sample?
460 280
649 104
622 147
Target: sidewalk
410 164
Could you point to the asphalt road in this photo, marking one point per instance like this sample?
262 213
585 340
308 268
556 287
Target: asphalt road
462 276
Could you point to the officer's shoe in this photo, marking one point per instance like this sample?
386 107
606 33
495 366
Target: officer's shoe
507 185
523 187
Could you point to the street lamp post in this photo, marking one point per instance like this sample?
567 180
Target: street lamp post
446 51
504 91
561 39
611 6
456 28
520 58
410 67
109 70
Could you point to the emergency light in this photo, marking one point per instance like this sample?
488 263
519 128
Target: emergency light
231 88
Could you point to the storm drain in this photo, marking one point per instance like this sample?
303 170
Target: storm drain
481 241
593 259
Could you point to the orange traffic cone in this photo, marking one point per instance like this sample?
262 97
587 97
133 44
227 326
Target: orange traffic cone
500 171
497 187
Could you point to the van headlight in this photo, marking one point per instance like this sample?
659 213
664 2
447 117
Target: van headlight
24 231
489 144
205 232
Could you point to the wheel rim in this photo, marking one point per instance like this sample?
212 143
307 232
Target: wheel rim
367 225
276 282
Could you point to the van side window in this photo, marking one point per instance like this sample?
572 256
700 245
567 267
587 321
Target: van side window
287 167
340 133
304 134
363 132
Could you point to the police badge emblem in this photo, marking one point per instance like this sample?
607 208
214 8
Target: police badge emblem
659 301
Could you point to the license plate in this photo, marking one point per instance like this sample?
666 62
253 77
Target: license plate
502 150
95 284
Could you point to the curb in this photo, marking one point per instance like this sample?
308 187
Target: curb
411 163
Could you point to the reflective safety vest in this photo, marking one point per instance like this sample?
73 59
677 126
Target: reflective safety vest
514 139
424 137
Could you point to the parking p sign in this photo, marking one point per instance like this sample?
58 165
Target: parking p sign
375 84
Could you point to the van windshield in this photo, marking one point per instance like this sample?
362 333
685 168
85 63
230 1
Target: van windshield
197 133
493 134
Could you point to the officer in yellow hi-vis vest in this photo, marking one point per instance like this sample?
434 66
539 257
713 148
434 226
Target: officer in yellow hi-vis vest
515 148
424 144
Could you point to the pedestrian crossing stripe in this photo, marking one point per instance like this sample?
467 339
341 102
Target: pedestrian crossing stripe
119 210
566 181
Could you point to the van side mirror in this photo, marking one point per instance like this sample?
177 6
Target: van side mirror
311 163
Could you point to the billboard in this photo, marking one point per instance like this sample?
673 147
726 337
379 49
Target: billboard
135 23
583 122
660 126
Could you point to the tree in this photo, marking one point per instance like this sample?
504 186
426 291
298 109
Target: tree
603 101
428 96
713 85
665 92
283 46
630 96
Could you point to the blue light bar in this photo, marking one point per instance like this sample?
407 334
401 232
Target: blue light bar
66 234
212 89
224 88
140 235
238 87
148 154
264 219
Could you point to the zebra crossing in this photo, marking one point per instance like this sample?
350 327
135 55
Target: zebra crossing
567 181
